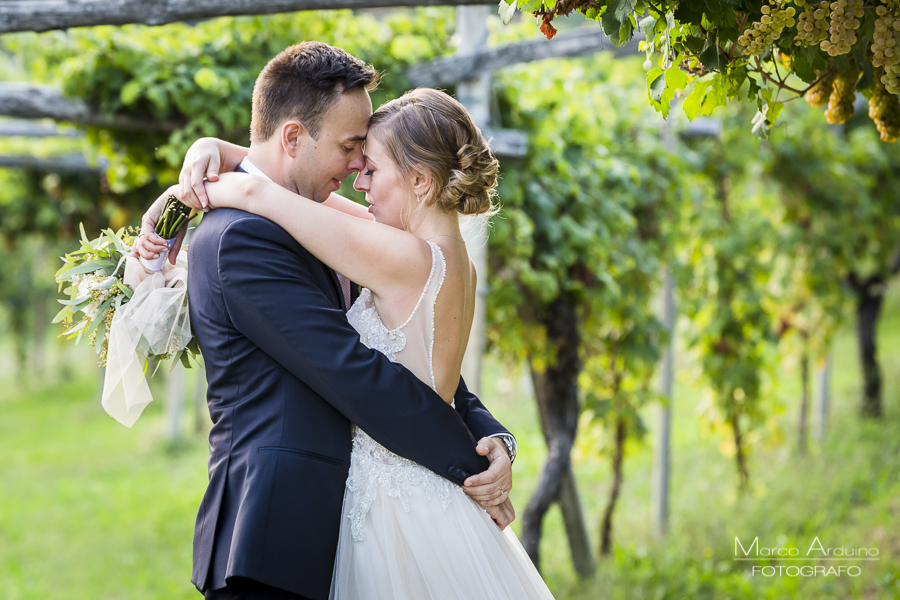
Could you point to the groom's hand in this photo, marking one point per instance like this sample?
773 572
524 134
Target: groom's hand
491 488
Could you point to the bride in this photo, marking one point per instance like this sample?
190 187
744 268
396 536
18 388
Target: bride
406 533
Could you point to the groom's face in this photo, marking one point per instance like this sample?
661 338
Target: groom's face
321 164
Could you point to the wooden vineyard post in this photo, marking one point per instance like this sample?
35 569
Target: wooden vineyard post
475 95
823 374
664 424
174 403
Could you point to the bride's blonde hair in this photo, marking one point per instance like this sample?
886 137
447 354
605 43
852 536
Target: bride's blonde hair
427 128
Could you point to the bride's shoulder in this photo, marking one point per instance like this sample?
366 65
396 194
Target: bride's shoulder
458 269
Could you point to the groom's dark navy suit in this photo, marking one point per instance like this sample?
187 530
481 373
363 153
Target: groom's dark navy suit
287 375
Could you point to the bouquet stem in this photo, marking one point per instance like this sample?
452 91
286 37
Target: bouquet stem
174 215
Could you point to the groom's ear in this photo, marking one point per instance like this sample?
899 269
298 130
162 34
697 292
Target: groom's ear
292 133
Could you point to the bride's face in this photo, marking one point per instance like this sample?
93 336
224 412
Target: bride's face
387 192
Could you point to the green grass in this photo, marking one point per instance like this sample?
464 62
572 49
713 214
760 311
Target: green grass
90 509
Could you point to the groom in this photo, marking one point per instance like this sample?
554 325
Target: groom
287 374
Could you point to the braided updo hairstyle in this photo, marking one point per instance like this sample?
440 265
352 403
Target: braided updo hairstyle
427 128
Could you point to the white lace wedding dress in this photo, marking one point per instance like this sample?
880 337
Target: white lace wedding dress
408 534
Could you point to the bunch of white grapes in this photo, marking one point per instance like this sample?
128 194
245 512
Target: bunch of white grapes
845 20
886 48
843 93
884 109
812 26
817 95
775 17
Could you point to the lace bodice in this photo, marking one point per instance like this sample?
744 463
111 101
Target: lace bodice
411 344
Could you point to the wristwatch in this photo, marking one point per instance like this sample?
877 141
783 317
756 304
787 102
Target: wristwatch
510 442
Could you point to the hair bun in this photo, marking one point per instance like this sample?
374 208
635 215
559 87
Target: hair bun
427 129
471 187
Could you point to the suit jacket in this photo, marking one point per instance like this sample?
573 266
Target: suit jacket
287 375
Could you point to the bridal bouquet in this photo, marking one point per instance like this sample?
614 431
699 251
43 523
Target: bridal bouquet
134 313
93 278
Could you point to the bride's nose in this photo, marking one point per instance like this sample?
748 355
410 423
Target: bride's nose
361 183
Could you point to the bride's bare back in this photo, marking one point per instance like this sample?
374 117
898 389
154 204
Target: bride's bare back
434 318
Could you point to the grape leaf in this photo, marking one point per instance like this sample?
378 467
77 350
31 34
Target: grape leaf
622 8
707 96
802 66
530 6
694 100
710 56
616 22
689 12
507 11
774 110
656 83
676 79
868 75
761 125
646 25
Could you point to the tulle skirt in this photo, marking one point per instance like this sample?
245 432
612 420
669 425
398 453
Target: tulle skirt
408 534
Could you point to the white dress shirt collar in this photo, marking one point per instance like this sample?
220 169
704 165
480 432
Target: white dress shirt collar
253 169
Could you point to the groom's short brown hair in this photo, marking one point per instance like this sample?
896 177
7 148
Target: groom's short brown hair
303 82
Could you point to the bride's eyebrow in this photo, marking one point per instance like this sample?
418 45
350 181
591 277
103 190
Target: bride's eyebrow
369 160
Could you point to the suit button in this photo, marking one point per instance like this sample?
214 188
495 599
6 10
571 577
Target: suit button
458 473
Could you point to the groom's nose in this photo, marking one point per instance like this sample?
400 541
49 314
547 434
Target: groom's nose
357 162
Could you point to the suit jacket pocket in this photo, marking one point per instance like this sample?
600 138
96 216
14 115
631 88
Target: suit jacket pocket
304 453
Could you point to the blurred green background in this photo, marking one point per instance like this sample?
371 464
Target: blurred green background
782 253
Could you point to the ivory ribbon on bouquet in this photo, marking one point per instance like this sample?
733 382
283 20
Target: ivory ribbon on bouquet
154 322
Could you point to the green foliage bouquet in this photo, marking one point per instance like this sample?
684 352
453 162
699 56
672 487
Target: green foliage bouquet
93 280
131 314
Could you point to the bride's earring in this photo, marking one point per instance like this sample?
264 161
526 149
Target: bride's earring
418 197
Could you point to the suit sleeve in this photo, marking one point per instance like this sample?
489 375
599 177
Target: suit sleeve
272 299
474 414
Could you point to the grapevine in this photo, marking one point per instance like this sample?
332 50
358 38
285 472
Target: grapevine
786 49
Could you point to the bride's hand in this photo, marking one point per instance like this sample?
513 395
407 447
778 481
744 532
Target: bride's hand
204 158
502 514
149 245
232 190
